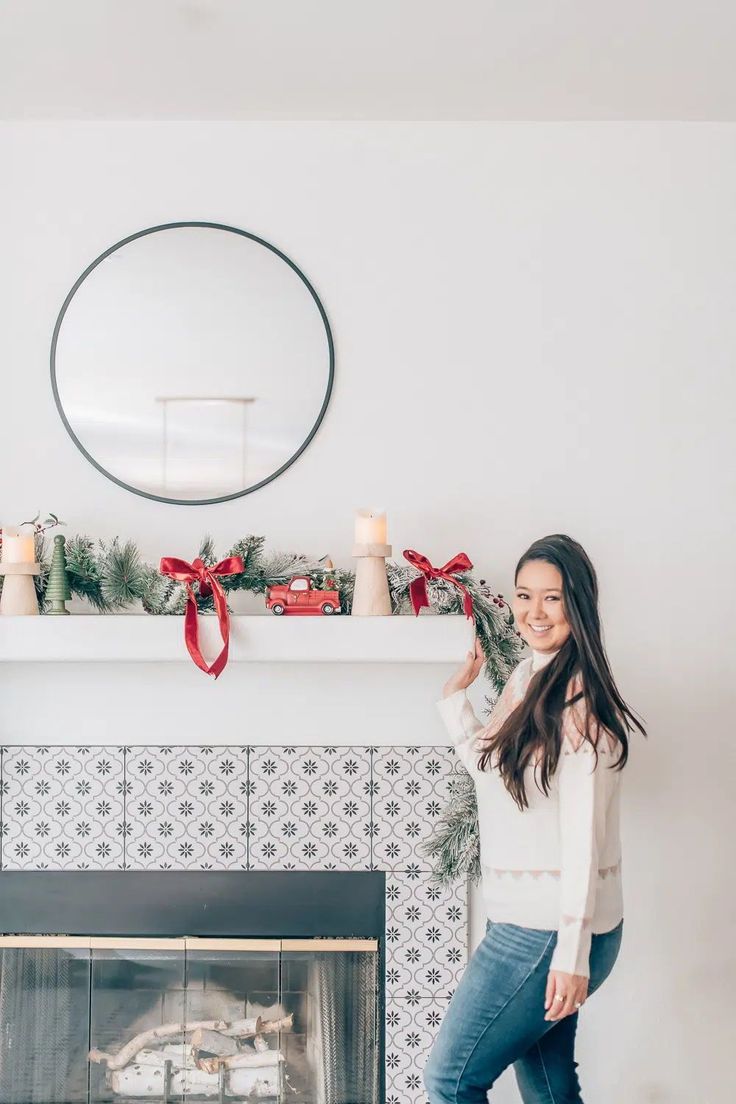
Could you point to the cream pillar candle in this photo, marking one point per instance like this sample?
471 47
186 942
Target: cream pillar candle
371 596
370 527
18 565
18 547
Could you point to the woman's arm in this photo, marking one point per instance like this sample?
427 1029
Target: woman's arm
462 726
456 711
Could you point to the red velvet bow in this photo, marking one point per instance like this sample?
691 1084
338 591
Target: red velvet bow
198 572
418 586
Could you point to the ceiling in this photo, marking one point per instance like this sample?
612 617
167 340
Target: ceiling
368 59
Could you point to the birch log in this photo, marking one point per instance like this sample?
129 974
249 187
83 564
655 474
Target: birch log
252 1060
208 1043
245 1029
270 1027
148 1081
178 1055
154 1035
255 1084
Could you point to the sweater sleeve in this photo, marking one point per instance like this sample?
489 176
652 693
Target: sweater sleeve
462 726
583 789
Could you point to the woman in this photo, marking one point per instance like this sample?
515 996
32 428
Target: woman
547 770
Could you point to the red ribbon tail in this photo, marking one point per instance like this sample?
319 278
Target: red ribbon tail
418 593
224 621
186 573
191 632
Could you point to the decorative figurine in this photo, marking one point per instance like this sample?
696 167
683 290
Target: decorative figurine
57 588
299 596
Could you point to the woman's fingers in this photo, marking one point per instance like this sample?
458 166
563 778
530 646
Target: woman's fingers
573 990
551 1003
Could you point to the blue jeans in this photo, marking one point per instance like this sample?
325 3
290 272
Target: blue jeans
496 1018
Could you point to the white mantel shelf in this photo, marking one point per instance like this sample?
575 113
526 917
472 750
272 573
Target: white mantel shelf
133 638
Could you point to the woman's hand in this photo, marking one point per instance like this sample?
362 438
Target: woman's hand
572 987
467 673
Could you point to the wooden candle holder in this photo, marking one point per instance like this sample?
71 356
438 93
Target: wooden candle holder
18 598
371 597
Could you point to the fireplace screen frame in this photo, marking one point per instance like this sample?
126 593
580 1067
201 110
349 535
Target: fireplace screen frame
220 910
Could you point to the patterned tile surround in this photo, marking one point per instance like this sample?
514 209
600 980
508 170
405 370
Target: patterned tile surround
261 808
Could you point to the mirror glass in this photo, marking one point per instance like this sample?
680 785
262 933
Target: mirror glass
192 363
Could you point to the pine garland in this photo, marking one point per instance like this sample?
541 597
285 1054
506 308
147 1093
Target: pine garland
112 576
454 846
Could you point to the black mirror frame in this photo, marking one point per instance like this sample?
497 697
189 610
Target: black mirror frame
198 501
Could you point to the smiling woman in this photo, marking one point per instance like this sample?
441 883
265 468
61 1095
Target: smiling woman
548 788
538 605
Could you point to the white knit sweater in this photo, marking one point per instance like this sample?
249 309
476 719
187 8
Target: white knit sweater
557 864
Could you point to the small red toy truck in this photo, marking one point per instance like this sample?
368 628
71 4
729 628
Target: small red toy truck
299 596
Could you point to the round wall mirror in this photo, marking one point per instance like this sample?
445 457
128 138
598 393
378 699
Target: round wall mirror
192 362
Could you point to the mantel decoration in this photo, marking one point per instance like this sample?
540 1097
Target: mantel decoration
57 588
418 587
209 586
18 567
301 598
371 596
20 555
112 577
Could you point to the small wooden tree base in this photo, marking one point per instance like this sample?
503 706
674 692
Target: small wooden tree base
18 598
371 596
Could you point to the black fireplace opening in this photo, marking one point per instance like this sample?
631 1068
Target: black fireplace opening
168 986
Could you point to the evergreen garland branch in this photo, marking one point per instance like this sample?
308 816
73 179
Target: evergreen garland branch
122 574
454 845
83 561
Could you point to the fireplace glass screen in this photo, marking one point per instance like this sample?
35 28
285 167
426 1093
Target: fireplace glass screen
114 1021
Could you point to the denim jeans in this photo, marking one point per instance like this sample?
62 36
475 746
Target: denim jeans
496 1018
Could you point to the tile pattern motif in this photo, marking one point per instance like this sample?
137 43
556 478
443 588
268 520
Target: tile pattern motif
186 807
257 808
62 808
426 936
410 788
411 1027
310 808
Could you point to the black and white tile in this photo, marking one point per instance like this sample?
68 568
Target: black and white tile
410 788
62 808
411 1028
186 807
309 808
426 935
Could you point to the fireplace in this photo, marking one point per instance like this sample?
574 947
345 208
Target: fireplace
168 986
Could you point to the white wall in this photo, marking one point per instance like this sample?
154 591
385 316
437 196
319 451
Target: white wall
535 333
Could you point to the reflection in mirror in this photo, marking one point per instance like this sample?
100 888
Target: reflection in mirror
192 362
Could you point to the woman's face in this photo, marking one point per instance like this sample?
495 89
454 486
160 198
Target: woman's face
537 606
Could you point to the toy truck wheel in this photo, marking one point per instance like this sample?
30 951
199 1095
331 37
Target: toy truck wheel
277 608
327 609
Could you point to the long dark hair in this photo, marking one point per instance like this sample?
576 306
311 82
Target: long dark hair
536 723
